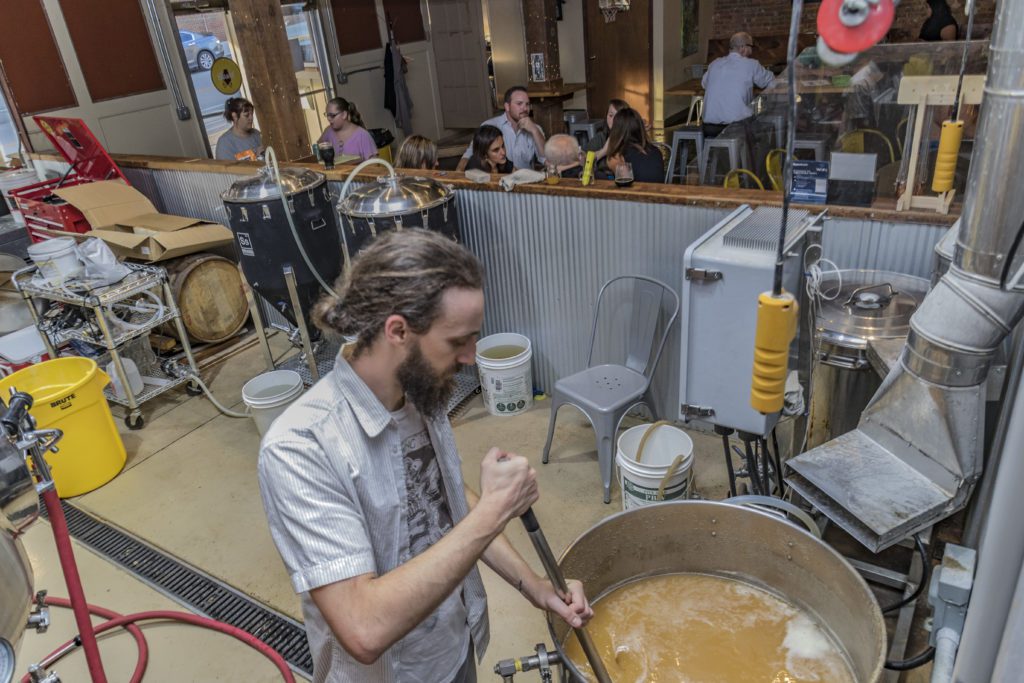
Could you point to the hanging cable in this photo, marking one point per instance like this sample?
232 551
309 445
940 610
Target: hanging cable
926 574
963 59
777 317
271 158
921 659
952 133
787 166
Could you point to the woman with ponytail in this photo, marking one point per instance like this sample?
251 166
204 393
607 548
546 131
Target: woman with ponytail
345 130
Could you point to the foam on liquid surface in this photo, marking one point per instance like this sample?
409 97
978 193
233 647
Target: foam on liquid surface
694 628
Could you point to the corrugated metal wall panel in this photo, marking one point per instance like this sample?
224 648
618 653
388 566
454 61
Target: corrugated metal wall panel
877 245
546 257
142 180
195 194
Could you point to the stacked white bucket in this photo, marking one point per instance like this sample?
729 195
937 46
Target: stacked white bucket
658 474
12 180
507 383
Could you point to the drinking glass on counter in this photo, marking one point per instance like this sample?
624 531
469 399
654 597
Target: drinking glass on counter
624 174
327 154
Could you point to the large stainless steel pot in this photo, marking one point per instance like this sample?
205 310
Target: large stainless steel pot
870 305
735 542
19 505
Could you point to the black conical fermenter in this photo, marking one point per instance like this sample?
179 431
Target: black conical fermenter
265 242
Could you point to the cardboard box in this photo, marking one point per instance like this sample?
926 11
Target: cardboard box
122 217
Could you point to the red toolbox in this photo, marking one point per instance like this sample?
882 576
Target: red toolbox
46 212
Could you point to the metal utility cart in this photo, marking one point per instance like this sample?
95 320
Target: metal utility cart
99 329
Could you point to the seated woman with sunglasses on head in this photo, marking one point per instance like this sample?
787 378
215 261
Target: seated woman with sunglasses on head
346 132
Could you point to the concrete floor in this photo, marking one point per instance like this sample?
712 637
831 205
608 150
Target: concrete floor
189 487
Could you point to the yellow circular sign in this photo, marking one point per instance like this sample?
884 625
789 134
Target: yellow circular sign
226 76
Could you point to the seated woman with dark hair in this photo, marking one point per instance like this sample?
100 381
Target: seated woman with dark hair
940 24
599 143
628 143
345 131
240 142
417 152
489 151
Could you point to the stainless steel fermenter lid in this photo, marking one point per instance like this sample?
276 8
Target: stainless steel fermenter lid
870 304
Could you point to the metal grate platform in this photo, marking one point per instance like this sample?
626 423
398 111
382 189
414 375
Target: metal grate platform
760 230
192 588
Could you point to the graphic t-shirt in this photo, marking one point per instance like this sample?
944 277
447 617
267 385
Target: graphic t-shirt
438 644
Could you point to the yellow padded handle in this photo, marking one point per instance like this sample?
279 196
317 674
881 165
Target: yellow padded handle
776 327
945 160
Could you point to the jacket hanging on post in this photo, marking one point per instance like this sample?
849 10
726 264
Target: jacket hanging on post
396 93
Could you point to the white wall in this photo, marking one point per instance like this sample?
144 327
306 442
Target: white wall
571 54
508 43
674 68
139 124
366 89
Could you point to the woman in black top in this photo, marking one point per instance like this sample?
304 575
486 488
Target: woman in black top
940 24
489 151
628 142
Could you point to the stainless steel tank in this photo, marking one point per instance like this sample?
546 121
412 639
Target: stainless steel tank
869 305
393 203
739 543
265 242
19 506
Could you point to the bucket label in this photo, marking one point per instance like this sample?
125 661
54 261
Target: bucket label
634 495
508 394
63 403
245 243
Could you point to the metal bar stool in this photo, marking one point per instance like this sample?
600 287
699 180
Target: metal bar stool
735 146
810 141
680 153
777 123
584 131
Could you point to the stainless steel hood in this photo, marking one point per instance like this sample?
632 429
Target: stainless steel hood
917 451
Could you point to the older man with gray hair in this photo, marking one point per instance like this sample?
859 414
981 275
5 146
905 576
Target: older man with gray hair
563 152
729 85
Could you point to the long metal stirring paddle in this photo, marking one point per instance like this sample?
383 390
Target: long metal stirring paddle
554 573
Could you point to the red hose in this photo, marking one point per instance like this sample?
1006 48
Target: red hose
59 526
194 619
60 653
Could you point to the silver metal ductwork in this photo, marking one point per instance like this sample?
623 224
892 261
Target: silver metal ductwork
917 451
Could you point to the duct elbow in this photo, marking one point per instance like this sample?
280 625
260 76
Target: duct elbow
957 329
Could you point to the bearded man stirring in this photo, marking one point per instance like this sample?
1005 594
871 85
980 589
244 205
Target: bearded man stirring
362 483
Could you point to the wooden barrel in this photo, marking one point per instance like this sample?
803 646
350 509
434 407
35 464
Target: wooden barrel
208 289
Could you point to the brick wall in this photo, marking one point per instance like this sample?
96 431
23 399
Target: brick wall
771 17
203 23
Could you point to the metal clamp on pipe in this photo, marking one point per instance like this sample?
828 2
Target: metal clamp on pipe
542 661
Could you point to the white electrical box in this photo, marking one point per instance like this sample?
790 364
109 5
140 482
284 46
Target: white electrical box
723 274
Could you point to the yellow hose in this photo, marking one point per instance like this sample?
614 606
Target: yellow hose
671 468
945 159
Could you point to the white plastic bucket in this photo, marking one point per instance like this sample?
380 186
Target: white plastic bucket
57 259
641 482
507 382
135 383
268 395
12 180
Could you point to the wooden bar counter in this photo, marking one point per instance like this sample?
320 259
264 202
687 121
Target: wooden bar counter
650 193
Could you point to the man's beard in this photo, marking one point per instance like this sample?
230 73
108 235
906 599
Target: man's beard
424 388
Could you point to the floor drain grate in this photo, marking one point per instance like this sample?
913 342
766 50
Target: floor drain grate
192 588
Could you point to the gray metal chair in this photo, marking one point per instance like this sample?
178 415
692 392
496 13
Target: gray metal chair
606 393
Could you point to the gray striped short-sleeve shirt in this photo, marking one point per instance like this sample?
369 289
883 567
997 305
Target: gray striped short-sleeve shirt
331 475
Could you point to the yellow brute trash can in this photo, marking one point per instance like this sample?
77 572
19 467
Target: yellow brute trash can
68 395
